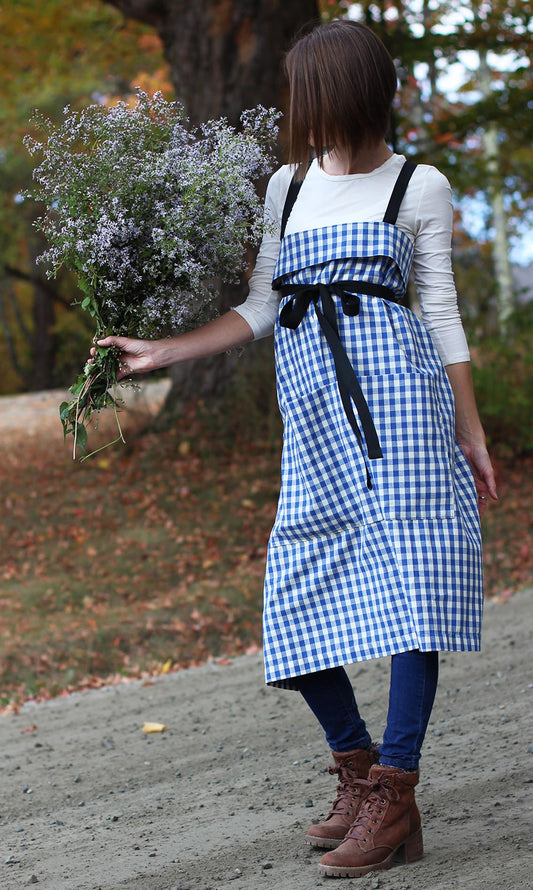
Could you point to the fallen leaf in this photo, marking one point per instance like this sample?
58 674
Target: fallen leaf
248 504
154 727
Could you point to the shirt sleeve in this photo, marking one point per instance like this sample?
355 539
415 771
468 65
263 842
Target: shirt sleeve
432 269
260 308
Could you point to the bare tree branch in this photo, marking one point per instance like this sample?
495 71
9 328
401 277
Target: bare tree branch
37 281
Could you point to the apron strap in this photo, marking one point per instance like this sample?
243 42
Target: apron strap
290 200
398 192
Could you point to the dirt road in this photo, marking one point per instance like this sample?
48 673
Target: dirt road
221 799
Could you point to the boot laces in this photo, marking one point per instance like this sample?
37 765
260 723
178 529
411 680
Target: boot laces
377 795
349 787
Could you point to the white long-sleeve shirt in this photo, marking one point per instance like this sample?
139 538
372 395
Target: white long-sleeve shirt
425 215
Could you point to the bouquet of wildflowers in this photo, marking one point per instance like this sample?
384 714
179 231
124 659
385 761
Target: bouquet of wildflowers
149 214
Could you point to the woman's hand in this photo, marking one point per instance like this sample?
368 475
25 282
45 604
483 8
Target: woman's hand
482 469
134 356
469 433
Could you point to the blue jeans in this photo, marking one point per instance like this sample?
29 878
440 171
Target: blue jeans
413 684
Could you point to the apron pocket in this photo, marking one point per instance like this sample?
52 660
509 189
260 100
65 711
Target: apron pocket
413 415
324 471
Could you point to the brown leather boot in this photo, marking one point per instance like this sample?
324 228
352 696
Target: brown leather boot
387 824
351 767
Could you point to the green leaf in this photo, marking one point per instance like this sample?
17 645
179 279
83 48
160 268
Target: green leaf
64 410
81 436
76 387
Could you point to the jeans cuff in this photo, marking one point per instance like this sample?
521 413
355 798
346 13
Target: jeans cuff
410 765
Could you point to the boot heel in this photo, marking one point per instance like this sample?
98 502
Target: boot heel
413 848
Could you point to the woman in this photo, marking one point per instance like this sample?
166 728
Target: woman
376 546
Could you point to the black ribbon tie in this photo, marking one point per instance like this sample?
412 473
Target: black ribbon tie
293 312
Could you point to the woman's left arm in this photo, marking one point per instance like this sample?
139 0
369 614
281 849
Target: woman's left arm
435 287
469 432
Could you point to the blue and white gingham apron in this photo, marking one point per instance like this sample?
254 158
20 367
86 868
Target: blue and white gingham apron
357 572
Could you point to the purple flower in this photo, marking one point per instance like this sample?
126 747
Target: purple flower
147 211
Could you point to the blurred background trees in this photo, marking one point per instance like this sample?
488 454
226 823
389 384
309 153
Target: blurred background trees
53 53
465 104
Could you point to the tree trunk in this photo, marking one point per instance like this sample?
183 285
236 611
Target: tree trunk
225 56
500 244
44 344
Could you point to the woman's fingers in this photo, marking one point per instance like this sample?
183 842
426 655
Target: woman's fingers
119 342
487 478
486 487
133 356
484 476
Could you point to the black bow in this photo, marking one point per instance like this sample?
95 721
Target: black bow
294 309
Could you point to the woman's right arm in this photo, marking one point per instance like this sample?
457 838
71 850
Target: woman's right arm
137 356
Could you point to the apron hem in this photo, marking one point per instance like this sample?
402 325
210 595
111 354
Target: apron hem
287 681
